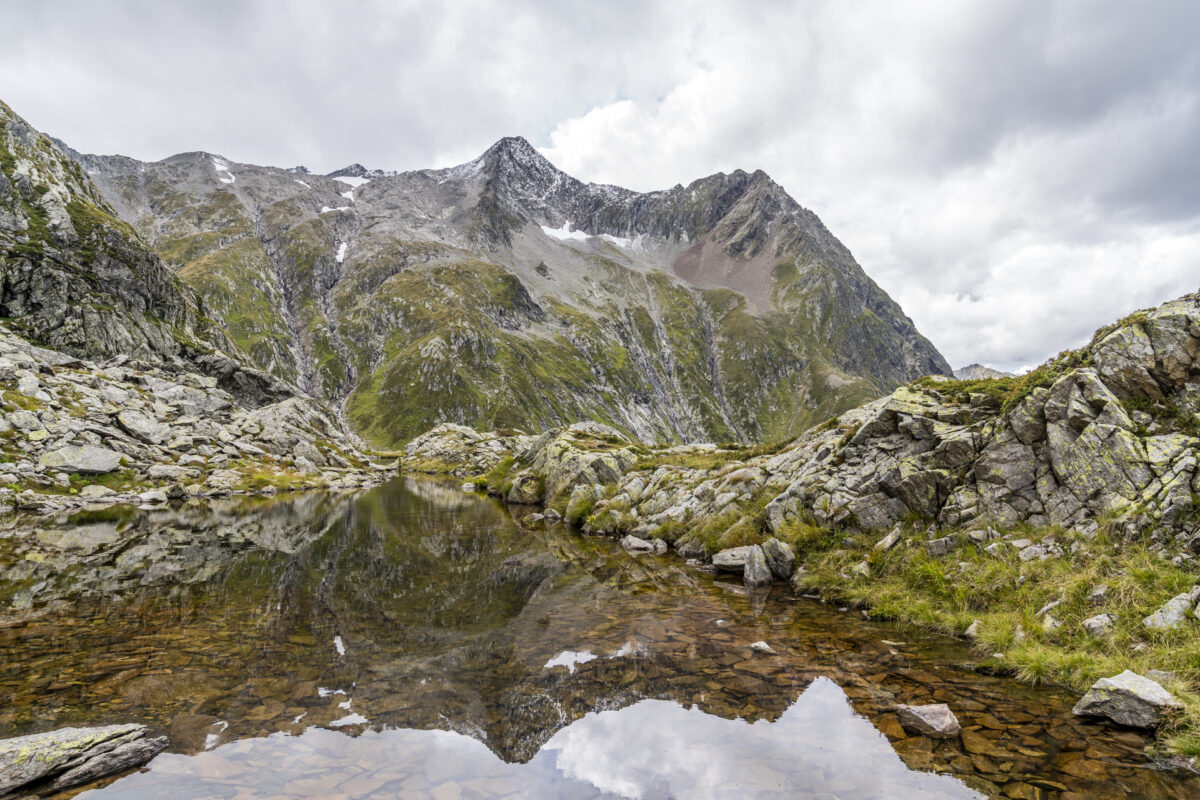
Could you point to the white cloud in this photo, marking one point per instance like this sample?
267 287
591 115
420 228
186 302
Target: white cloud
1007 197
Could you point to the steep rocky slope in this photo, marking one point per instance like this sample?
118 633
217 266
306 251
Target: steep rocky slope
76 278
78 433
505 293
136 387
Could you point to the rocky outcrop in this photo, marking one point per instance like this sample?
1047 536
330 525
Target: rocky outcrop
76 278
1104 433
73 432
460 450
71 756
586 455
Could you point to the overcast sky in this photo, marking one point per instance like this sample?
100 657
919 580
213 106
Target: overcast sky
1014 174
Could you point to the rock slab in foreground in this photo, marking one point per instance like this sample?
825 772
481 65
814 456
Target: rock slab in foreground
935 719
1129 699
71 756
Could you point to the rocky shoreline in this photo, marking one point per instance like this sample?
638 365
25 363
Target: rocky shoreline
78 434
1088 460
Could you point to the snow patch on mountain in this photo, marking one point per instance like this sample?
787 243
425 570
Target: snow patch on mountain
564 233
222 168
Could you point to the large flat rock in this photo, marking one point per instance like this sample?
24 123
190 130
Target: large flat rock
81 458
74 755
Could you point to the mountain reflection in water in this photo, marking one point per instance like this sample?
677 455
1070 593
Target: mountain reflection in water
418 641
651 749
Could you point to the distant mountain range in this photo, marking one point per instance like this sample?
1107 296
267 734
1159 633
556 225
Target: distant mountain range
505 293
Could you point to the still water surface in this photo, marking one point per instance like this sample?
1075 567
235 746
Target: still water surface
415 641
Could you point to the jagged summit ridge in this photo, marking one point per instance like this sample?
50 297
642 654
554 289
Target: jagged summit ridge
357 170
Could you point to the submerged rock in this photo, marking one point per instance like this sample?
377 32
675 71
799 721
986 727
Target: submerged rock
71 756
935 719
1129 699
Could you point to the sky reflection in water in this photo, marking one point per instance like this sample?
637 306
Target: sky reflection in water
652 749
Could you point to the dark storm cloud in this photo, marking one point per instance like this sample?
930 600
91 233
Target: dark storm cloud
1014 173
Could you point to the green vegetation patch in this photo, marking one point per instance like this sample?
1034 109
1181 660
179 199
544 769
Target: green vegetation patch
1004 596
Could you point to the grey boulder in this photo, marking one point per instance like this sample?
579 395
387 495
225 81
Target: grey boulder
1171 614
756 572
1128 699
81 458
633 544
935 720
780 558
1100 625
732 559
143 426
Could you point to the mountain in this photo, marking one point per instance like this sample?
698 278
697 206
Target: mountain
505 293
76 278
112 370
974 372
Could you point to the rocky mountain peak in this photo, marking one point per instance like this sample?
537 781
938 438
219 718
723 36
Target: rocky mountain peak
357 170
972 372
515 147
354 170
514 162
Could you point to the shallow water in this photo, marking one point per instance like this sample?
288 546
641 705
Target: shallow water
415 641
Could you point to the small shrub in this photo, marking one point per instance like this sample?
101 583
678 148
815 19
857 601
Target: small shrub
495 478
